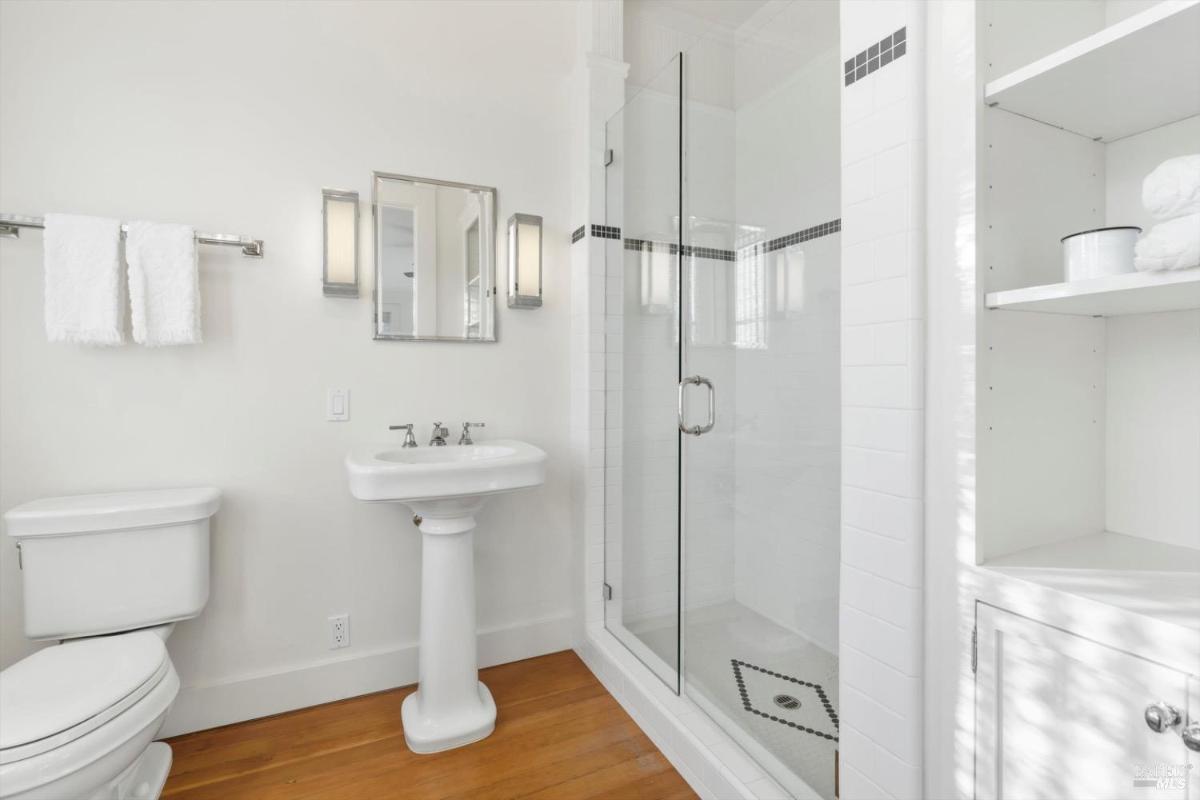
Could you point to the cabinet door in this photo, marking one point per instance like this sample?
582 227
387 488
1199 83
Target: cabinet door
1060 716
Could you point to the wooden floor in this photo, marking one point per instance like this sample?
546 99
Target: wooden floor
559 734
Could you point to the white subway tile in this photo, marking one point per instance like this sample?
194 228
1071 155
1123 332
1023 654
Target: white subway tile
881 555
858 181
876 387
858 263
892 169
858 345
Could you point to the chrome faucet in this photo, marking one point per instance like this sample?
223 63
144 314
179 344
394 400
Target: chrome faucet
409 439
466 432
438 437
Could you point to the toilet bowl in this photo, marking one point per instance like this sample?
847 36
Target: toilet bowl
109 575
78 718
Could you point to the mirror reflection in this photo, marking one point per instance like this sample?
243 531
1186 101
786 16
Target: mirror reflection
434 259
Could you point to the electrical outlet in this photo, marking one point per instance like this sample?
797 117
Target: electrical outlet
339 631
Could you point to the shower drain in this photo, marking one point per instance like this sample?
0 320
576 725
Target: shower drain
786 701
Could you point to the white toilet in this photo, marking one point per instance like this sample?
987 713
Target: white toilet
108 574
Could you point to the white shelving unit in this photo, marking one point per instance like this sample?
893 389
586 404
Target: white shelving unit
1133 293
1088 410
1130 77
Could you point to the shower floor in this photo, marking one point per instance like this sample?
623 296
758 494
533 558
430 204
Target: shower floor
754 672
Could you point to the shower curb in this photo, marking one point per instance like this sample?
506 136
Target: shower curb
710 760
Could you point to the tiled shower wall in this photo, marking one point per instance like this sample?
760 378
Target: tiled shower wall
882 398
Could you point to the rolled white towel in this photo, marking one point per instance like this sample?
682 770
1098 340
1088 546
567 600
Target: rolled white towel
1174 244
1173 188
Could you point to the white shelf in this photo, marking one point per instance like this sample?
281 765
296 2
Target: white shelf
1138 74
1132 293
1156 580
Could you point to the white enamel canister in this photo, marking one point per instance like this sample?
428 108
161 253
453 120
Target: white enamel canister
1099 252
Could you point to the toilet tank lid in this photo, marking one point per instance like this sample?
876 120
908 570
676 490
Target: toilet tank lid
52 516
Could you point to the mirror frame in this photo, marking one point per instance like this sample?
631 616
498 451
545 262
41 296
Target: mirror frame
376 176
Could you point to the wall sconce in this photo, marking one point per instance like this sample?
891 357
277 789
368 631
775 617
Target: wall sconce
340 214
524 261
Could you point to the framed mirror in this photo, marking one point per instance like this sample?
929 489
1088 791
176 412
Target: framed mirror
435 260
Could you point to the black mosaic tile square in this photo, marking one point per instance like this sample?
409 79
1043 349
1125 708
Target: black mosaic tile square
578 234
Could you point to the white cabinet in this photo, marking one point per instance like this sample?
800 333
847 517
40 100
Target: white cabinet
1061 716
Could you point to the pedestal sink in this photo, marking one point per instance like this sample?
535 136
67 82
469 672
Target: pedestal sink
445 487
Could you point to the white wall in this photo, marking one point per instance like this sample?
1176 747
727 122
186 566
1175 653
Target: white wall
232 118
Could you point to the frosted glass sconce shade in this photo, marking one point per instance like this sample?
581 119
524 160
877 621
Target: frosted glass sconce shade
340 275
524 261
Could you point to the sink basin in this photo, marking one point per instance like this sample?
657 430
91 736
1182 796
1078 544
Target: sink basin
390 473
445 487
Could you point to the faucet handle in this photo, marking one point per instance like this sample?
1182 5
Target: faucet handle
409 439
438 437
466 432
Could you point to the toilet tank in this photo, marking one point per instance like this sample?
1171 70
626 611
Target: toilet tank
102 563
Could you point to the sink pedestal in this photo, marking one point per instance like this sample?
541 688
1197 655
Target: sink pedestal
451 707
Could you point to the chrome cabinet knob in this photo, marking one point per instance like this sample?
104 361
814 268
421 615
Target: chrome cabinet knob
1161 717
1191 736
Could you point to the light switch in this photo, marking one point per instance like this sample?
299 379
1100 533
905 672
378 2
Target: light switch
337 405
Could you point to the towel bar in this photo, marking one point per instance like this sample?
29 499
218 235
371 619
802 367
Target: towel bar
11 224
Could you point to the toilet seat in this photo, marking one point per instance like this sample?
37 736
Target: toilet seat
60 694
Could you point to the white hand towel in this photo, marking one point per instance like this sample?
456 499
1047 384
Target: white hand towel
83 279
1173 188
1174 244
164 283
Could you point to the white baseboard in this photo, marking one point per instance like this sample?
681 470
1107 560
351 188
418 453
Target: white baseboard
210 705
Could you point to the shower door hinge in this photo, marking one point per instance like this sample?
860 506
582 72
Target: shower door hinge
608 157
974 650
606 590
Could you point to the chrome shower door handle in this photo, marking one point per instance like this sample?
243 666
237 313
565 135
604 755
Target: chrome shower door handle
697 430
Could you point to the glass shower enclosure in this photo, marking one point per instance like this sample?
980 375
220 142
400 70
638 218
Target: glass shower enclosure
722 507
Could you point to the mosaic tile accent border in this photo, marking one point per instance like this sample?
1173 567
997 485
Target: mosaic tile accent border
815 232
718 254
880 54
749 706
688 250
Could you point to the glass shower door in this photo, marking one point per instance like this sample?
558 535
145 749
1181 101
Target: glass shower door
642 455
761 477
